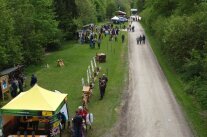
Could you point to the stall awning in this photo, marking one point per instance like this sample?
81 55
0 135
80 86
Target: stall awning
9 70
37 99
121 12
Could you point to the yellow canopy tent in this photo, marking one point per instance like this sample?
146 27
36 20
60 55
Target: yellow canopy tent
36 102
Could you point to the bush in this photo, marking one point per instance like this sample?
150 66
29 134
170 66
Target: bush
53 45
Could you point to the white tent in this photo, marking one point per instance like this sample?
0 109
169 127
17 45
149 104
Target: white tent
115 18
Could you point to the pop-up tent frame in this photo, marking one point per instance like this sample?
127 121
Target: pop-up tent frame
36 102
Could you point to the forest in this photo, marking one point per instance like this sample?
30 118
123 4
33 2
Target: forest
28 28
180 27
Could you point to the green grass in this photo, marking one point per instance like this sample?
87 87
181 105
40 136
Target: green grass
68 79
190 107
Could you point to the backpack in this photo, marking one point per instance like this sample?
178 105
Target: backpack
89 119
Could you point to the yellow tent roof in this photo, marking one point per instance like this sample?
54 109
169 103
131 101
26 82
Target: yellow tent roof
37 98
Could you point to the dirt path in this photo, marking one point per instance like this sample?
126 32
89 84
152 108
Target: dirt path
151 109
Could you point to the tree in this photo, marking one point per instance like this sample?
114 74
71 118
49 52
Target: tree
10 50
86 12
100 10
66 12
140 5
35 25
110 9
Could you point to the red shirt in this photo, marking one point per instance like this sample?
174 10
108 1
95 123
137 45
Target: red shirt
83 113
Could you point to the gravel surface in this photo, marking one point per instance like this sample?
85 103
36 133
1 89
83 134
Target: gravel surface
150 108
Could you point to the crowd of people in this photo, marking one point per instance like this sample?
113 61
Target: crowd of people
94 34
80 121
16 85
83 118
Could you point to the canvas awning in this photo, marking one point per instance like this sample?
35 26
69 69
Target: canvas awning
36 101
121 12
9 70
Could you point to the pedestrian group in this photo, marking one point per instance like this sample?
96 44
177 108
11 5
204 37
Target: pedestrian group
141 39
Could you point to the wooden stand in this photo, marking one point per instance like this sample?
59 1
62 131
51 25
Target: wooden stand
87 92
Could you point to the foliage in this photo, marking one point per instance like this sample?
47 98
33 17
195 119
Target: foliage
110 9
10 50
66 12
29 27
181 27
140 5
86 11
67 79
100 10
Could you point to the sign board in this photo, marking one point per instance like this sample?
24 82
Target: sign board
55 128
47 113
4 83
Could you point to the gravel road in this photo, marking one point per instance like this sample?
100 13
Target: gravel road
152 110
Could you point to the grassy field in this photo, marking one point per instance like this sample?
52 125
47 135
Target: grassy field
191 109
67 79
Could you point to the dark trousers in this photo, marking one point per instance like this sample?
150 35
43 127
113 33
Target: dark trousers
63 124
78 132
102 92
35 125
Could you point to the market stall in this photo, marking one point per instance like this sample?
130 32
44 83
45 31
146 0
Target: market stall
35 111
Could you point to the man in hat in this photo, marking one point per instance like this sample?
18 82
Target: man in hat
104 77
102 87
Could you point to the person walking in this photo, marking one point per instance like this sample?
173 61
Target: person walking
77 125
132 28
102 87
143 38
137 39
33 80
14 88
140 39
